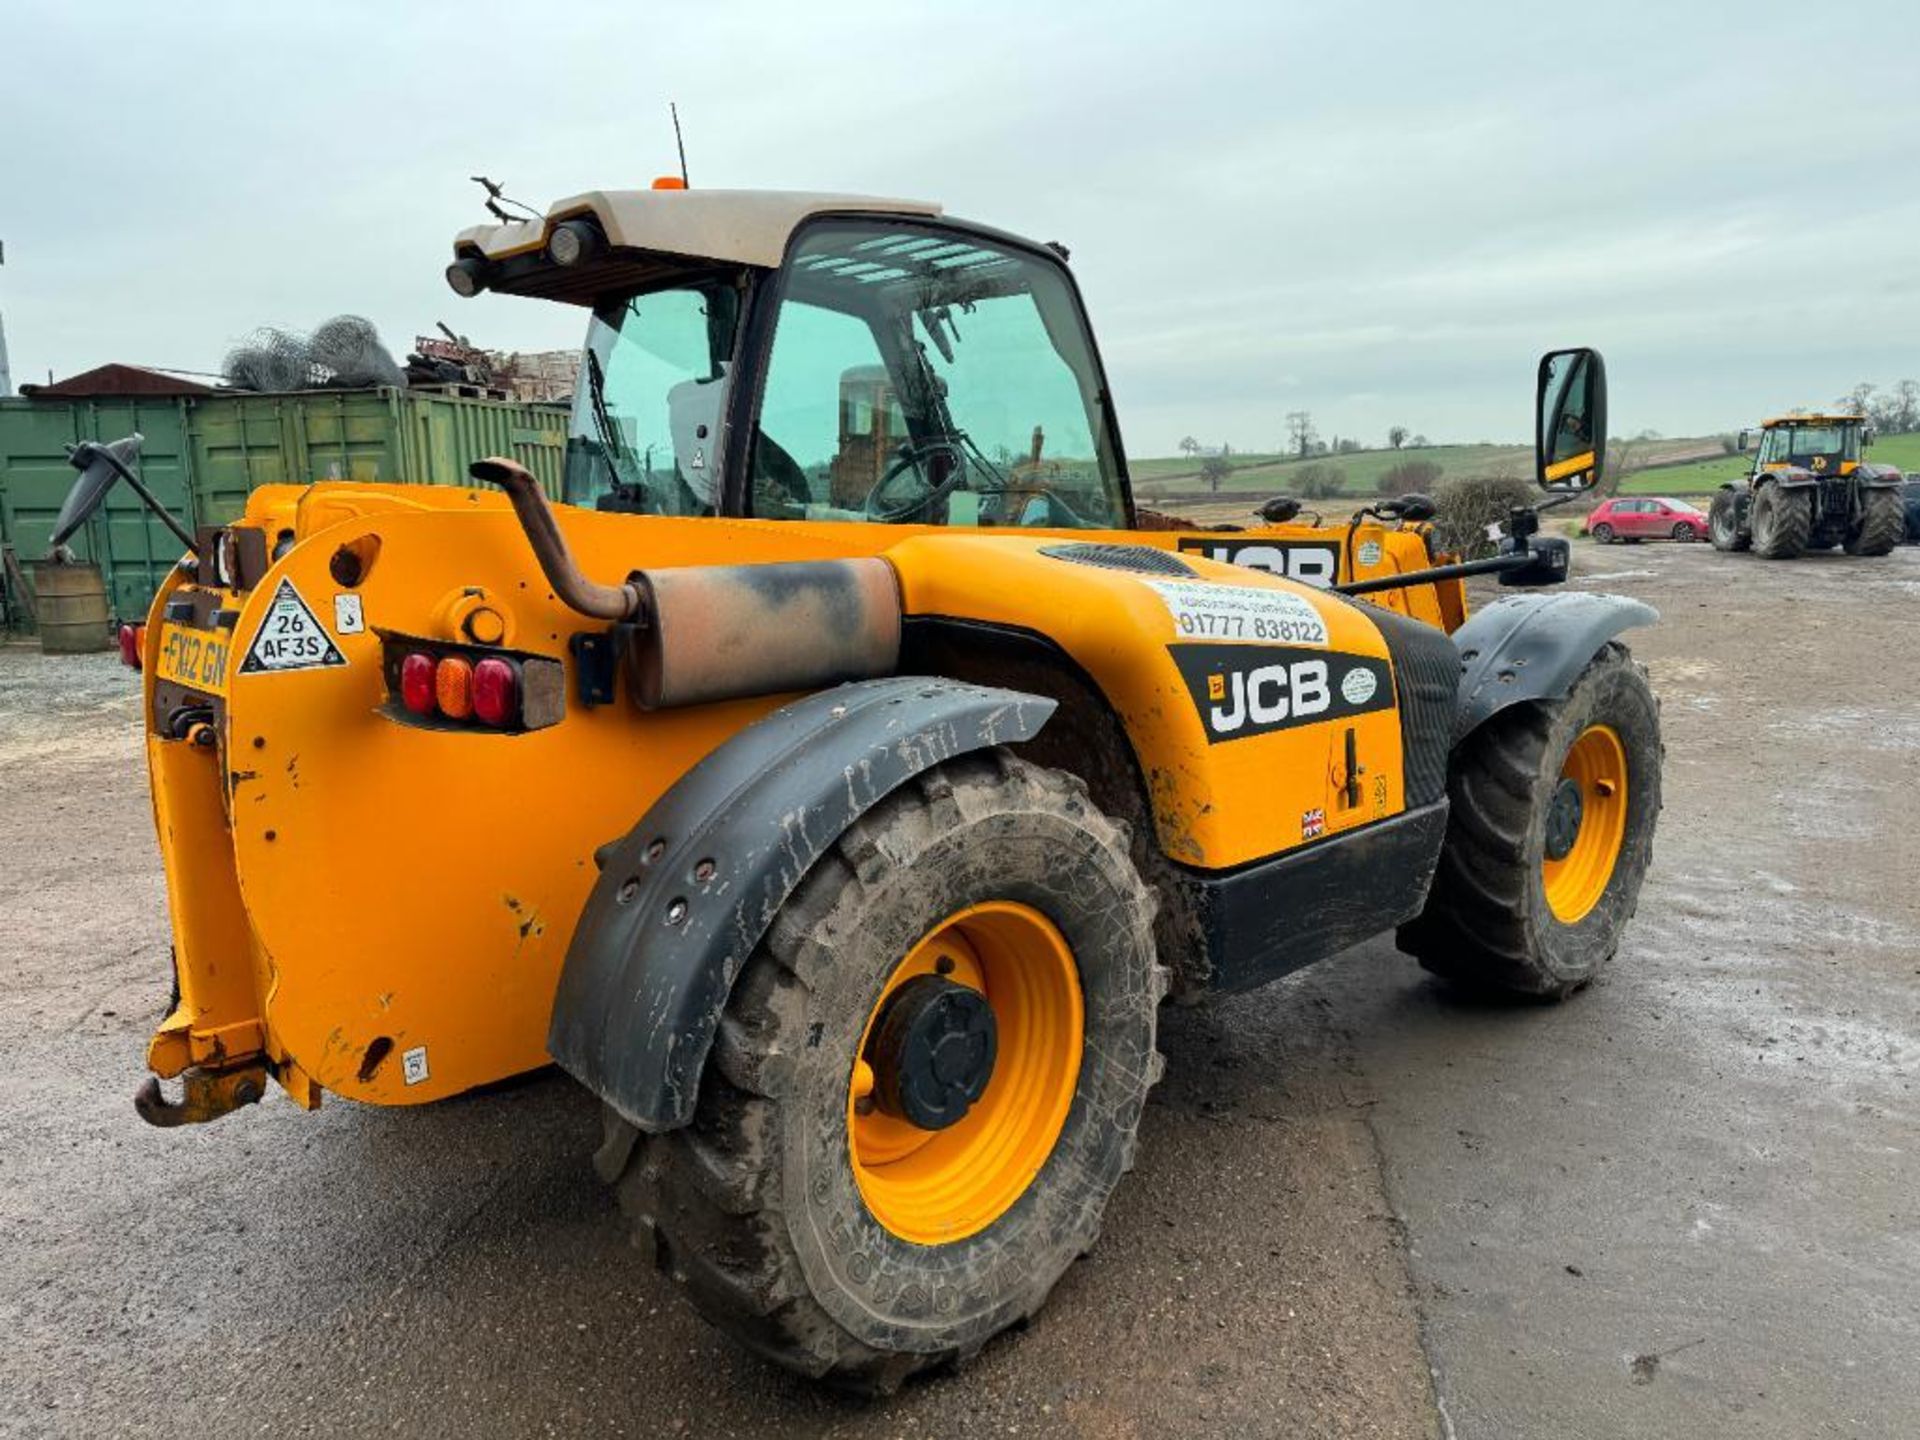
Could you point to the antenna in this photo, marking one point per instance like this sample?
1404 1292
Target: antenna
681 145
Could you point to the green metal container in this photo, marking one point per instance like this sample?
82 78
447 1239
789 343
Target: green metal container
203 454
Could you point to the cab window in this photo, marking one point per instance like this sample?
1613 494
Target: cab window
927 377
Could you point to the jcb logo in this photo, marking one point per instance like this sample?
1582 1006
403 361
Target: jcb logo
1311 562
1267 696
1245 690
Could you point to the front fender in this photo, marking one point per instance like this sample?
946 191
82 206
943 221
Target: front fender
685 896
1533 647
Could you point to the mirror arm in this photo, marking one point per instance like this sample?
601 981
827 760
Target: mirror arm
1493 565
147 497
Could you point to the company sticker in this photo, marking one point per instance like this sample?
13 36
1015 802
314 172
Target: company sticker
1358 687
413 1065
1311 562
1240 612
1246 690
1369 552
290 638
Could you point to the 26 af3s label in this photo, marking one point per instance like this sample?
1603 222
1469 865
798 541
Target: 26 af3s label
1243 690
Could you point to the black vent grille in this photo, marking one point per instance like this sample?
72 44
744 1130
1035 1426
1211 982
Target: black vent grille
1426 676
1142 559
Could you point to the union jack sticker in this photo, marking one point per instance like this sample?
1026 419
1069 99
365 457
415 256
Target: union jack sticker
1313 824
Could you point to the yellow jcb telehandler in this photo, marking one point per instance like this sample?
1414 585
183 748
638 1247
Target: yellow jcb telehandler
838 777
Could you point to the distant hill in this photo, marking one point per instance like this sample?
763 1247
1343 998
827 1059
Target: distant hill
1179 478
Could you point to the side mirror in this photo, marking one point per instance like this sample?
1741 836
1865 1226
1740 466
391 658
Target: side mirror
1745 442
1867 437
1570 429
99 466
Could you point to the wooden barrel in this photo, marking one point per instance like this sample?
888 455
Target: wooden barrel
70 608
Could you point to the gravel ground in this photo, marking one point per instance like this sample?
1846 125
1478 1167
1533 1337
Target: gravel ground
1680 1203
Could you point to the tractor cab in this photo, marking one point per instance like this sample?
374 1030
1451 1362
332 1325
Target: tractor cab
1821 444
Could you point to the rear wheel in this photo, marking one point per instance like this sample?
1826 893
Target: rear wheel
1782 522
1883 524
1603 532
928 1081
1549 834
1723 523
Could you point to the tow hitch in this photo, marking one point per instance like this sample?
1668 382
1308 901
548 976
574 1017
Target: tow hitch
205 1095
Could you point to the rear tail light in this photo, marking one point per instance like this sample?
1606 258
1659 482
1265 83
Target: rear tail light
416 683
469 687
133 642
496 692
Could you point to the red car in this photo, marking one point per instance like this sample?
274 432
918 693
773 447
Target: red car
1646 518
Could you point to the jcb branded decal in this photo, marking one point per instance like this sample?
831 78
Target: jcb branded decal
1243 690
1311 562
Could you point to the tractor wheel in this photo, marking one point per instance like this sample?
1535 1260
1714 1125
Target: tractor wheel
1782 522
1723 523
926 1085
1883 524
1603 532
1548 837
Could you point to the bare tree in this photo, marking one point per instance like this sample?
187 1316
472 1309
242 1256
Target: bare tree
1216 468
1396 437
1409 477
1300 432
1189 447
1419 442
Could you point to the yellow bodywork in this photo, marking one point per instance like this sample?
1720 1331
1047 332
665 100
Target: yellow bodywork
381 910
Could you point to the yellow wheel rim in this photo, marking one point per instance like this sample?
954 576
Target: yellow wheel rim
932 1187
1595 771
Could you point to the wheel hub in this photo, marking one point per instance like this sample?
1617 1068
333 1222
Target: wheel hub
1564 814
933 1052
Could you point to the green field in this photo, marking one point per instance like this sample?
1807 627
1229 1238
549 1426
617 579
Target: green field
1360 472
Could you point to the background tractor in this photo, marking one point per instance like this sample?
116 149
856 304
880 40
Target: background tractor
837 781
1810 490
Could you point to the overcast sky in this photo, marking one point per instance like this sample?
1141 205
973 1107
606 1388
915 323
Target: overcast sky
1377 212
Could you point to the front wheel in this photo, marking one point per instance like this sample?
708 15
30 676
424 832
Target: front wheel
927 1083
1883 524
1603 532
1723 523
1683 533
1549 834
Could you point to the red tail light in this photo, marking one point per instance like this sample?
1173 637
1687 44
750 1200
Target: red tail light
496 692
417 683
130 646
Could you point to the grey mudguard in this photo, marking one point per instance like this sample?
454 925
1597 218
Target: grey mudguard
683 899
1533 647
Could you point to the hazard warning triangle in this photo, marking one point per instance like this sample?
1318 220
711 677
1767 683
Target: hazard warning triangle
291 637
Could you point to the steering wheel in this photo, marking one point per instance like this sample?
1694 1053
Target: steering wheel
912 456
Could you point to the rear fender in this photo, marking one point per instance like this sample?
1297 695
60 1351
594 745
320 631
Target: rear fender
1533 647
1790 479
1879 477
685 896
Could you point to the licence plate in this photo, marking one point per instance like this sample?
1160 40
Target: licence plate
196 659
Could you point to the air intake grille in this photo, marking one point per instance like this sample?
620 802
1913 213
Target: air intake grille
1142 559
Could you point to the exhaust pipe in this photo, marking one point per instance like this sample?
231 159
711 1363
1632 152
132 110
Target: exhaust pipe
574 590
706 633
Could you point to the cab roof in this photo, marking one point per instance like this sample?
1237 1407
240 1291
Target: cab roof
733 227
1813 417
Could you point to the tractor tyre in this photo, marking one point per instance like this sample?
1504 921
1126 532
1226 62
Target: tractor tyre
927 1082
1603 532
1883 524
1723 523
1549 835
1782 522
